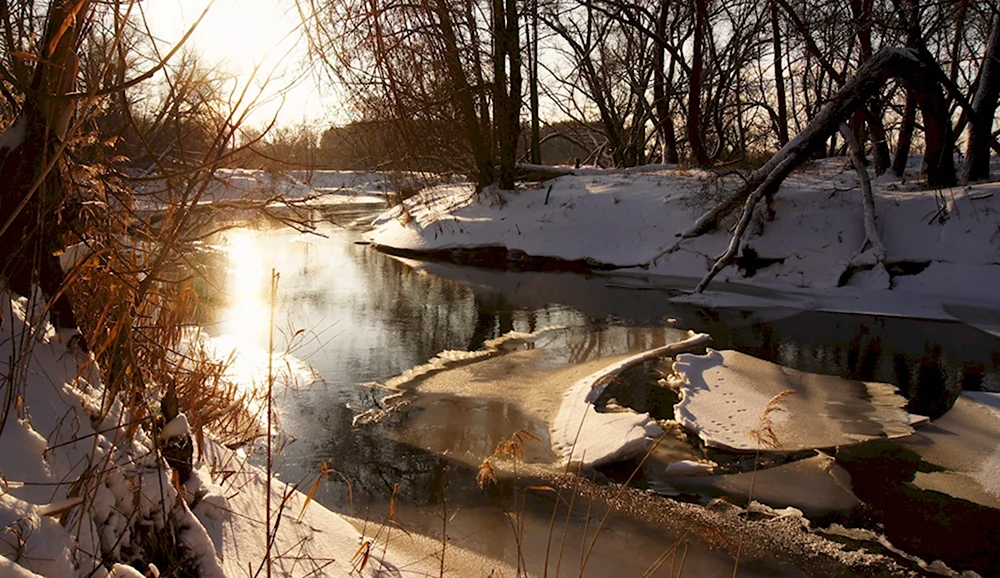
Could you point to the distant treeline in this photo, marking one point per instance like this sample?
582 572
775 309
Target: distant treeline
375 145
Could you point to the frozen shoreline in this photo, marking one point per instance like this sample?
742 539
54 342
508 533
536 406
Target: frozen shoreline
942 247
75 523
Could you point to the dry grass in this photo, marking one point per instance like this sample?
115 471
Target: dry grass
765 437
764 434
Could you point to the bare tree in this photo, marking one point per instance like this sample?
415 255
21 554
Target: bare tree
424 68
984 105
32 163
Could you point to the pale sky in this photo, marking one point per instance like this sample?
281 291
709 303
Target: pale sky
239 34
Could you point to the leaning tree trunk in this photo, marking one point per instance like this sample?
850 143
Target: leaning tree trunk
888 63
779 76
871 251
464 97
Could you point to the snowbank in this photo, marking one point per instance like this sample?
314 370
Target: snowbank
81 490
941 246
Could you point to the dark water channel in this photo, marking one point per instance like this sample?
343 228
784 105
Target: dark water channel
368 317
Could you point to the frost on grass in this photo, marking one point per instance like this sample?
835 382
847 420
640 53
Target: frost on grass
725 393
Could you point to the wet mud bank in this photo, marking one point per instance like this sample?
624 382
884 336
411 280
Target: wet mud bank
500 258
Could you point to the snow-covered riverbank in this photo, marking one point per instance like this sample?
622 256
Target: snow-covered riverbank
942 246
84 492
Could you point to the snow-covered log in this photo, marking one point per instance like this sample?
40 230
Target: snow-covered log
888 63
532 172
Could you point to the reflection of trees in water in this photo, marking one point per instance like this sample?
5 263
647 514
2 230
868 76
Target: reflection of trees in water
374 463
425 314
597 340
930 362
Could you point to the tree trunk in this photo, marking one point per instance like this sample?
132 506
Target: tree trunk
905 139
779 76
465 98
536 147
871 251
661 98
506 87
888 63
694 123
984 105
31 152
909 120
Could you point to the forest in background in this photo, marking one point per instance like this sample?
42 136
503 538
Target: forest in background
474 87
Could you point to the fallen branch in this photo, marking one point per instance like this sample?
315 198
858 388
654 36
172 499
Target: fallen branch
888 63
871 251
767 188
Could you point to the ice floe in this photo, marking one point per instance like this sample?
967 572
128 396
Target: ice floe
724 396
964 442
583 434
816 486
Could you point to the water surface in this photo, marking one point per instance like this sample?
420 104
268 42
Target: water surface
360 317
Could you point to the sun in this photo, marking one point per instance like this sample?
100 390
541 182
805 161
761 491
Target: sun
255 41
239 33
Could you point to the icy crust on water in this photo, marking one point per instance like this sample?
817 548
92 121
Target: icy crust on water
445 360
582 434
81 489
724 395
965 442
449 358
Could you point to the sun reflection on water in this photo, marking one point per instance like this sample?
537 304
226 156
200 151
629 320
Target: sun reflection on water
246 315
244 321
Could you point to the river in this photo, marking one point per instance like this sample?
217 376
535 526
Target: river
358 318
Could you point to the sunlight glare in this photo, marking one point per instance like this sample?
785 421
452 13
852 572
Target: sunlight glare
246 317
238 35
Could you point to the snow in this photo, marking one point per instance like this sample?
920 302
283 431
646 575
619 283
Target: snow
582 434
724 397
317 188
318 541
59 520
634 218
175 428
13 136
